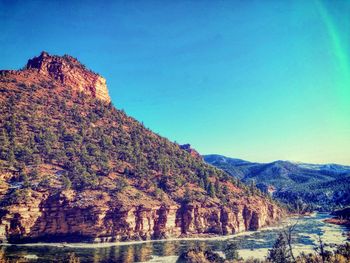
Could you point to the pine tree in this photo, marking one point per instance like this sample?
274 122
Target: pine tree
217 187
252 187
211 190
10 157
206 180
188 197
201 183
25 180
66 183
279 252
11 126
225 190
4 144
231 251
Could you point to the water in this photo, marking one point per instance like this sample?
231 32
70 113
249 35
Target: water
250 244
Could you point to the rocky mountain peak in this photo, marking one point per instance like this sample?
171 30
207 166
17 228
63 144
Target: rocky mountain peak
71 73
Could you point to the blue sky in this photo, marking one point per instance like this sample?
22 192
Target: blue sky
257 80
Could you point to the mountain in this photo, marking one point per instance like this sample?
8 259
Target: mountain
337 168
73 167
320 186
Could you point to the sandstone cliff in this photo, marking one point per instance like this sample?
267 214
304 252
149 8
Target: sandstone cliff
73 167
68 71
94 217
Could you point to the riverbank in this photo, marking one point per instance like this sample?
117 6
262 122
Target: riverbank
341 218
205 237
253 243
338 221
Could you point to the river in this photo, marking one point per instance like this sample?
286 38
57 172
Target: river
250 244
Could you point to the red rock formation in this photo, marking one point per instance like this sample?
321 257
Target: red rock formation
70 72
66 217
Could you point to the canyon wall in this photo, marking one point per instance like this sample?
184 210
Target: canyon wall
65 217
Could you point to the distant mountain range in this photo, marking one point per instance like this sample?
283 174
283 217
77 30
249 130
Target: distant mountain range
322 186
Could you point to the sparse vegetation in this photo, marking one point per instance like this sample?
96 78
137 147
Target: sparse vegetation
278 254
85 139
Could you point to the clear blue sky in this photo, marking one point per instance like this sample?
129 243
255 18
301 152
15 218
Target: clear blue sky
258 80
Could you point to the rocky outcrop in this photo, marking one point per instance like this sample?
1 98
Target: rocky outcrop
64 217
187 147
70 72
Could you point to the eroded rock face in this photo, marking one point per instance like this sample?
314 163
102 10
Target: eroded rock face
64 218
70 72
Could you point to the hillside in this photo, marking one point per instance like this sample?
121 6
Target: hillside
323 187
341 217
74 167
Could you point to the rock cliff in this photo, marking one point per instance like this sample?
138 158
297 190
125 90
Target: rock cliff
70 72
73 167
65 217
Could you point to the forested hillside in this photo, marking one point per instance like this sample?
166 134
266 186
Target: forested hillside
301 186
62 147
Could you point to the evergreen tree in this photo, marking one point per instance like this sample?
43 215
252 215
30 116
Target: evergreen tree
23 154
10 156
11 126
252 187
25 180
4 144
206 180
231 251
188 197
217 187
66 183
279 252
225 190
201 183
211 190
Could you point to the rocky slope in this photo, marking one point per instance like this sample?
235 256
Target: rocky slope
73 167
